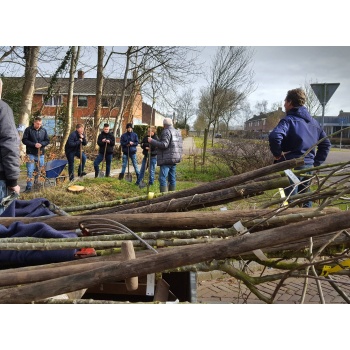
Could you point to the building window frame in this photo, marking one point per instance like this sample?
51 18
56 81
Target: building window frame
82 101
53 101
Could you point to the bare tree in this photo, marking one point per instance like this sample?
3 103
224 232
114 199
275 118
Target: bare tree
185 107
199 124
69 121
99 89
230 81
261 107
5 52
31 54
312 103
146 68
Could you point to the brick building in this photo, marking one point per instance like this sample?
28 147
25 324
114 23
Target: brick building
265 122
84 101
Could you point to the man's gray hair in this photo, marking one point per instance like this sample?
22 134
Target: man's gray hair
167 121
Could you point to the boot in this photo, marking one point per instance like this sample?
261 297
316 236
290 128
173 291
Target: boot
171 187
96 171
121 176
163 188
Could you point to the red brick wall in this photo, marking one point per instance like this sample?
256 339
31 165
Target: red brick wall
79 112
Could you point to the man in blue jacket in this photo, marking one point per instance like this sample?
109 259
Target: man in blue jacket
296 133
73 148
129 142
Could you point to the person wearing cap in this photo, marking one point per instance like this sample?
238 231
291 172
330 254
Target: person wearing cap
129 142
106 142
169 154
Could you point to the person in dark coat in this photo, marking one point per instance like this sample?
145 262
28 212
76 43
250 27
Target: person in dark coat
9 151
35 138
129 142
106 142
153 156
295 134
72 150
169 149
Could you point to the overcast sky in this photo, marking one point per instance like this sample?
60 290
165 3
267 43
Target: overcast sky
281 68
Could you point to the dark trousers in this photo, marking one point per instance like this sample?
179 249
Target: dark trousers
70 157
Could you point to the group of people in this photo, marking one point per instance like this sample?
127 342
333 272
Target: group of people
295 135
165 152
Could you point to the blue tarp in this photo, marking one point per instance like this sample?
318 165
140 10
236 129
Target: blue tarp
32 208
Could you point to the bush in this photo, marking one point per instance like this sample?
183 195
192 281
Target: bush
242 155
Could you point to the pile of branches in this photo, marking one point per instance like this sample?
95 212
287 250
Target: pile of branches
275 235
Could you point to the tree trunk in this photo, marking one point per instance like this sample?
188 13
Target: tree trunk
31 54
69 120
212 186
118 120
158 221
173 258
99 88
211 198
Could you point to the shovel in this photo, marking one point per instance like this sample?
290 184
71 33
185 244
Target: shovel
101 172
142 183
128 176
81 159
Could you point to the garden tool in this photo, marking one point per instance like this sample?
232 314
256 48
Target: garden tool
128 176
101 172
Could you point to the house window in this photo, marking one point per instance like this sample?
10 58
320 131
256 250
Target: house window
53 100
104 102
82 101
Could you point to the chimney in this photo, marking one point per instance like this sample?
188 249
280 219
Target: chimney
80 74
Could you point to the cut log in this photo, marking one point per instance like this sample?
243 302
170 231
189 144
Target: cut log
159 221
76 188
172 258
210 186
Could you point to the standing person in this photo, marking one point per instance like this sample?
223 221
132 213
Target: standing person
106 142
72 150
294 135
35 138
129 142
169 154
9 151
153 156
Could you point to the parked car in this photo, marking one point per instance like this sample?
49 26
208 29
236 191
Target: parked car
218 136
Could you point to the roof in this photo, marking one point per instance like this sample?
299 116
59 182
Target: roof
85 86
278 112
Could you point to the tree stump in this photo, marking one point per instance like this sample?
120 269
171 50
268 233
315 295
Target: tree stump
76 188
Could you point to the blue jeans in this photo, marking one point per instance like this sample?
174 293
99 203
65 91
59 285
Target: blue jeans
3 194
153 163
99 159
70 157
134 163
302 188
32 166
167 173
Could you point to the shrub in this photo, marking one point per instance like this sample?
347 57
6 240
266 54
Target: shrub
242 155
